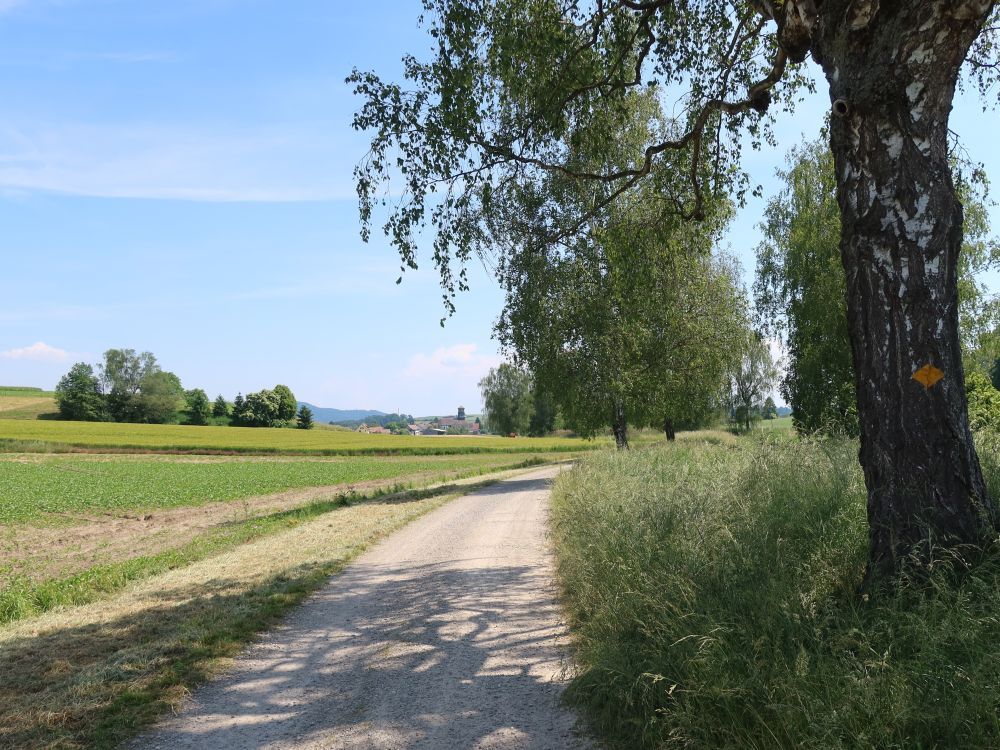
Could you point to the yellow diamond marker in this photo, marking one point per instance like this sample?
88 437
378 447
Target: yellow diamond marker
927 376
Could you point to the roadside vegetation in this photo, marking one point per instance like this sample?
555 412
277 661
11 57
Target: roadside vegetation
714 588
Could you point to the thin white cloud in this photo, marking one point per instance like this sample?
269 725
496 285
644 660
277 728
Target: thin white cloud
128 57
359 281
8 5
37 352
213 163
460 360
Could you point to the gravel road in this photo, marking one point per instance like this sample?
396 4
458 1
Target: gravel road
445 635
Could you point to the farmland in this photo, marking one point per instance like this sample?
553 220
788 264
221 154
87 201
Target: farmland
96 514
55 435
34 487
26 403
114 648
85 533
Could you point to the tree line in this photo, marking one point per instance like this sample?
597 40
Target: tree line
398 424
128 386
671 345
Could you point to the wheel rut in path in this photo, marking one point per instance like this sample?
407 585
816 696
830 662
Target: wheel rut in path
448 634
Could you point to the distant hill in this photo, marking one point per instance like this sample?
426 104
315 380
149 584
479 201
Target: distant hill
784 411
322 414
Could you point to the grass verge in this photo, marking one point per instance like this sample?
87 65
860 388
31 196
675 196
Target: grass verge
712 591
92 676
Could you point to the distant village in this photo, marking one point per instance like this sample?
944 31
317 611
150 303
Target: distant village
454 425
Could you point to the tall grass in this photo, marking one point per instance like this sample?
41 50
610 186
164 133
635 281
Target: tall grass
713 592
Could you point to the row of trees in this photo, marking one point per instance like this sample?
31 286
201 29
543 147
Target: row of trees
515 402
668 346
131 387
518 138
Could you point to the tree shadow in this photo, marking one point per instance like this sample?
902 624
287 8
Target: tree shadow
429 656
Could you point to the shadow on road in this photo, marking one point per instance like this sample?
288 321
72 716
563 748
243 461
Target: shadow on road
431 657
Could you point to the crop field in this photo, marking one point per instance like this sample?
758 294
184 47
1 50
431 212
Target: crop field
34 486
77 527
12 391
25 403
108 659
146 437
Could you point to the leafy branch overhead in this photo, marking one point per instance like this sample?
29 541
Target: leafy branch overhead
497 107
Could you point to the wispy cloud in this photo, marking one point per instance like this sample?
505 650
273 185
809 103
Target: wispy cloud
8 5
460 360
356 282
196 163
127 57
37 352
54 312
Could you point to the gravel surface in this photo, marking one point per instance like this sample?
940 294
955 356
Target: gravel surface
446 635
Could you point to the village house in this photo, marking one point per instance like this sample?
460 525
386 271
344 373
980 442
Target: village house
459 421
441 425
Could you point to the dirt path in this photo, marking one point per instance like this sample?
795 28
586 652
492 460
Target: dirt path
446 635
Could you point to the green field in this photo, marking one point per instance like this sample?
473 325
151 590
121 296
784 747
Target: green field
33 486
147 437
26 403
779 424
20 390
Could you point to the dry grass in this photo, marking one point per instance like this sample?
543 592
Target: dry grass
91 676
26 406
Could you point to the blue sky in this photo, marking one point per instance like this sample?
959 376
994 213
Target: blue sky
176 176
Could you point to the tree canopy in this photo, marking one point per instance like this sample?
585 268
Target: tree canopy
199 408
751 378
79 396
507 399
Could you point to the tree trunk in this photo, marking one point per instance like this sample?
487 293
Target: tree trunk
619 426
668 429
892 75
